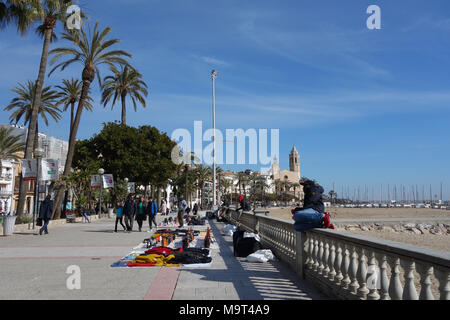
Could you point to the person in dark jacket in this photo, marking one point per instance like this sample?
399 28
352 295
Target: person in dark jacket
45 213
152 210
141 212
244 205
129 212
313 196
195 209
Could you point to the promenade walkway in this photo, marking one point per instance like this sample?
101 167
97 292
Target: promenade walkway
34 267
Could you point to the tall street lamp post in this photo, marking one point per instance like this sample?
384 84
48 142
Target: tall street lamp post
213 76
100 172
38 153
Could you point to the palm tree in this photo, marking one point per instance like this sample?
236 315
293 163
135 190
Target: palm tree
24 101
70 93
47 13
332 194
295 186
91 53
10 145
122 83
18 12
203 174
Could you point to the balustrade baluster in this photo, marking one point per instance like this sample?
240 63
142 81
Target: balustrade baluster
338 264
409 292
444 286
362 274
326 257
395 285
321 250
373 290
425 272
384 280
316 254
332 272
311 252
354 285
346 280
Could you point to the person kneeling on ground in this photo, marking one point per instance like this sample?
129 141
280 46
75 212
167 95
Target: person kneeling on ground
313 214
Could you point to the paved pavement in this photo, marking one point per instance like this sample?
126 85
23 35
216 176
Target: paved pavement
37 267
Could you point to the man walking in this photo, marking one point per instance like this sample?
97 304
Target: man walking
45 213
129 211
152 210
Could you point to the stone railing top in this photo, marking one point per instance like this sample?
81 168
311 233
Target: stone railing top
441 258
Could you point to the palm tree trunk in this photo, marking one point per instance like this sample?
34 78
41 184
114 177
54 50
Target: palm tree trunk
72 109
124 110
36 137
73 135
23 187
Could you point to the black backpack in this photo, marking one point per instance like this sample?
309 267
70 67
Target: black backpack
246 246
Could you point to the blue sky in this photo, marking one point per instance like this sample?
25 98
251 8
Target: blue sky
362 106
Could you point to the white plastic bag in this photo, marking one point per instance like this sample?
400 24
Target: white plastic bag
256 257
229 229
252 235
261 256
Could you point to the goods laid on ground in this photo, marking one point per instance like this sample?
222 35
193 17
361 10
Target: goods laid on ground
171 248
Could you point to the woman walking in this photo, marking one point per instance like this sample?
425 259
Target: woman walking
140 214
163 208
119 216
45 213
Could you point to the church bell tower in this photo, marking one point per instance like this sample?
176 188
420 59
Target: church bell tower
294 161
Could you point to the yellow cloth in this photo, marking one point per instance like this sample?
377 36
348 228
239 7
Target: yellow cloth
158 259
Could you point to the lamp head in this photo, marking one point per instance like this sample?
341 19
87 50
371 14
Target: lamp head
214 74
38 152
101 171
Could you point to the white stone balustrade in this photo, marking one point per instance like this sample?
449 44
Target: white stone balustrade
350 266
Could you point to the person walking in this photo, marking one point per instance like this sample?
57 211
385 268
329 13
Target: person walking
45 213
141 212
195 209
129 212
119 216
152 210
163 208
182 206
83 213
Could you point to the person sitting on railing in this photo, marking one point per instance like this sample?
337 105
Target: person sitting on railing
244 205
312 214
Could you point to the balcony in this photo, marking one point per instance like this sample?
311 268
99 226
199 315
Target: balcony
6 177
5 193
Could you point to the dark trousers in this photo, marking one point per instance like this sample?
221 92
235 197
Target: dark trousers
129 222
152 219
120 219
180 217
140 222
44 227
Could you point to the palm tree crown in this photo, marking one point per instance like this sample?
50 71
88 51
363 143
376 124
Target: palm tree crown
10 145
24 101
124 82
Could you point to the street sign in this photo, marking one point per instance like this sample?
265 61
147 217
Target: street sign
108 181
49 169
95 181
29 169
